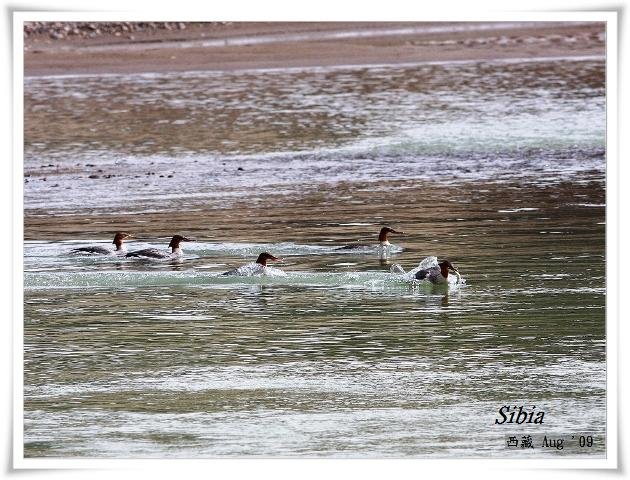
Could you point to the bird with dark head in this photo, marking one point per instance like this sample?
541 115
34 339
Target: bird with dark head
263 257
438 273
176 240
383 240
259 267
119 239
384 233
174 244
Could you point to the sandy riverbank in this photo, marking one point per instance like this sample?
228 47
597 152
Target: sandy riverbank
248 45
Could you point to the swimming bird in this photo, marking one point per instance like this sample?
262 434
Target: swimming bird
119 238
155 253
429 269
382 240
259 267
439 273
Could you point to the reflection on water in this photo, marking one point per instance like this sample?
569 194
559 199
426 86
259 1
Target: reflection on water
498 167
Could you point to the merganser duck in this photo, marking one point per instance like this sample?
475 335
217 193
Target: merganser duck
431 270
155 253
438 274
382 239
259 267
119 238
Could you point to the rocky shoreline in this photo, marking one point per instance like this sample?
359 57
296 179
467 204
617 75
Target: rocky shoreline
82 30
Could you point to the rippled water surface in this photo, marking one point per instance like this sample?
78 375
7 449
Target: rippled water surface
498 166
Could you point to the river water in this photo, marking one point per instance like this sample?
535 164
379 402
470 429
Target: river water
497 166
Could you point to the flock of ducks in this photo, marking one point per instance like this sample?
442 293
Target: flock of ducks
436 273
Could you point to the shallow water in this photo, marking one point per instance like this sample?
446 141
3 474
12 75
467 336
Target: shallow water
498 166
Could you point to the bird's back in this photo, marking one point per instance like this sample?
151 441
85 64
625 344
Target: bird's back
434 275
149 253
96 250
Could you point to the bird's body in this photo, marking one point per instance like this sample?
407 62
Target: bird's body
150 253
95 250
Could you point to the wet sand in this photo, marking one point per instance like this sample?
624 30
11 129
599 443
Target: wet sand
253 45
